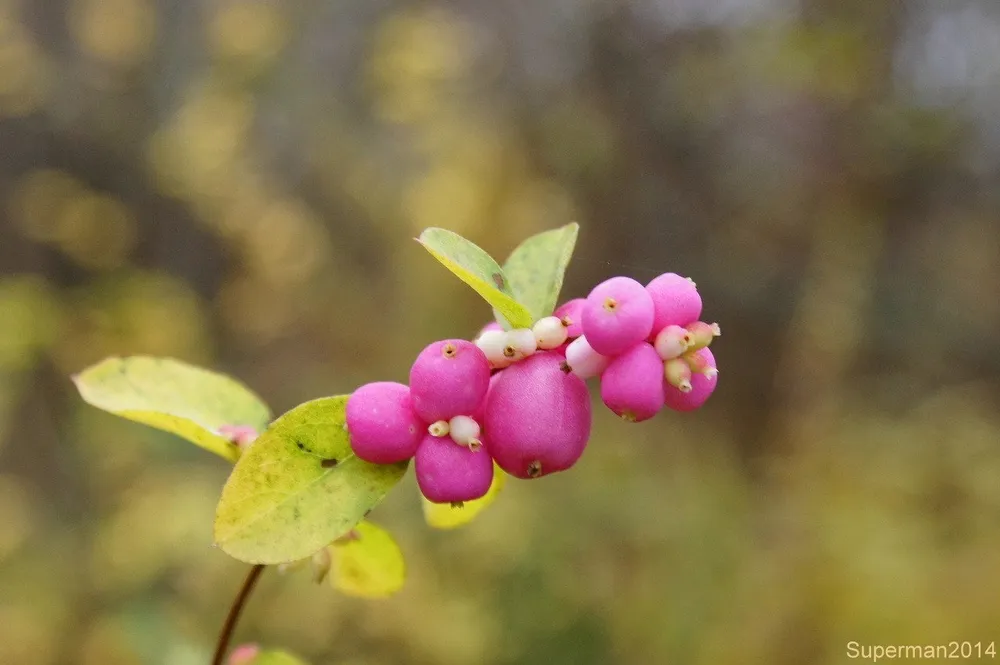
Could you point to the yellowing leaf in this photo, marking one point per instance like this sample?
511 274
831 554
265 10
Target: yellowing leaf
475 267
367 563
175 397
299 487
447 516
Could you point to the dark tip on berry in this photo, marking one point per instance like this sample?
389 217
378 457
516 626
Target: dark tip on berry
498 280
458 504
565 368
566 321
535 469
329 463
627 416
449 350
509 352
610 304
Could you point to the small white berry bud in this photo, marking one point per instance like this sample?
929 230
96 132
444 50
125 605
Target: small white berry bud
699 365
701 334
492 344
440 428
465 431
549 332
672 342
678 374
521 343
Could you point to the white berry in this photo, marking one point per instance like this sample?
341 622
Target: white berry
672 341
583 360
492 344
549 332
465 431
521 343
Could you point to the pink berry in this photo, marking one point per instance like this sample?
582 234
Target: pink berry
244 654
583 360
675 301
449 378
382 424
538 417
702 386
618 314
479 415
448 472
571 312
632 385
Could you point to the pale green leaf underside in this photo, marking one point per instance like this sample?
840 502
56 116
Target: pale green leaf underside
276 658
536 267
369 565
287 498
476 268
175 397
447 516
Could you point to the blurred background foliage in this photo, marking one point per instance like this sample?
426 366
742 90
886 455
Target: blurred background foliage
236 183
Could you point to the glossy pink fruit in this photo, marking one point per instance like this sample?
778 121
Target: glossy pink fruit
538 417
382 425
447 472
449 378
573 311
675 301
632 385
618 313
702 387
479 415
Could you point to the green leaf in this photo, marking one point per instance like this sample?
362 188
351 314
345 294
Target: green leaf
175 397
276 658
447 516
536 267
477 269
299 487
367 563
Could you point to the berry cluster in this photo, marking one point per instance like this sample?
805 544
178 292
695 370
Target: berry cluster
519 397
646 344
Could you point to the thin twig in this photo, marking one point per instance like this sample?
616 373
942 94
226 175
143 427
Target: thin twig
234 614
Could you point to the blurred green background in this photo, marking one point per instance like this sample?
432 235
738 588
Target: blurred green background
237 183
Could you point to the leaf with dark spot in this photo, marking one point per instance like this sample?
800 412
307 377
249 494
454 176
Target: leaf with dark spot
275 480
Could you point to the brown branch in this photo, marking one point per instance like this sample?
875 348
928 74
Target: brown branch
234 614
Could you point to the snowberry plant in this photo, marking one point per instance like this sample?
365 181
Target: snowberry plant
513 401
